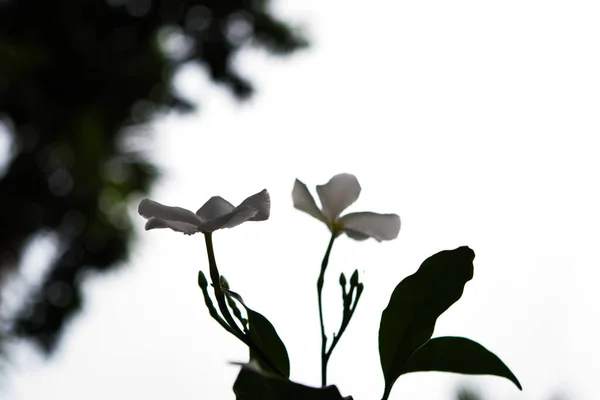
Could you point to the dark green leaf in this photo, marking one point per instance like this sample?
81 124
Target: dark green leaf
264 335
459 355
416 303
252 384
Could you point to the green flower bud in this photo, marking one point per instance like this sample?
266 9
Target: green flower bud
223 283
202 282
360 288
354 278
343 279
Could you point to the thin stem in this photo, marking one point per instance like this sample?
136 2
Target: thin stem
386 393
320 282
222 302
237 313
213 311
345 322
220 296
346 300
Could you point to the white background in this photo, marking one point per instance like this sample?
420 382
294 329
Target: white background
475 121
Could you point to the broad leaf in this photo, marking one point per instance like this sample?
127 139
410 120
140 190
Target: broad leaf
254 384
459 355
265 336
416 303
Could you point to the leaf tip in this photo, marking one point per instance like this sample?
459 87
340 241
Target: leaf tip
517 383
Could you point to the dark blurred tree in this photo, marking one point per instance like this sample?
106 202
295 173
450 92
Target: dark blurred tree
466 393
469 393
75 75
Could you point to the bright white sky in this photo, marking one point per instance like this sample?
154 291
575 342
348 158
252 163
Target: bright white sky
475 121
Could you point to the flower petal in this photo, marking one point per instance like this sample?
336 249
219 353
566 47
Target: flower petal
234 218
304 201
215 207
261 202
157 223
378 226
149 208
336 195
355 235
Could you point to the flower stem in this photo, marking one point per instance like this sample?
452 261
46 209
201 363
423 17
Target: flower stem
348 312
320 281
211 308
220 296
222 302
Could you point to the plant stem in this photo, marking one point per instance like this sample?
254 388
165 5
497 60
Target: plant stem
222 302
348 312
320 281
213 311
386 393
220 296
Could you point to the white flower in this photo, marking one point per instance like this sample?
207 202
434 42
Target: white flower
336 195
216 213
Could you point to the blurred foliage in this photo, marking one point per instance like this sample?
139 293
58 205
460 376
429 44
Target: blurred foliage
470 393
75 77
466 393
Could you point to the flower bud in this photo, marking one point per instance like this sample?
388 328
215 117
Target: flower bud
223 283
343 279
202 280
354 278
360 288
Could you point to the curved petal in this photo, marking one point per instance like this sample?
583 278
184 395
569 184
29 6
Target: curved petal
184 227
234 218
337 194
304 201
355 235
378 226
157 223
149 208
261 202
214 208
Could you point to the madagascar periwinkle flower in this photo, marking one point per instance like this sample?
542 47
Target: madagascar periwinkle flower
216 213
338 194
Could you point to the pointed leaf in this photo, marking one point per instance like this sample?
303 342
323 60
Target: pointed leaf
265 336
459 355
416 303
254 384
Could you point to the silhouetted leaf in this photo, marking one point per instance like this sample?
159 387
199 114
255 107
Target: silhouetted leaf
459 355
254 384
416 303
265 336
